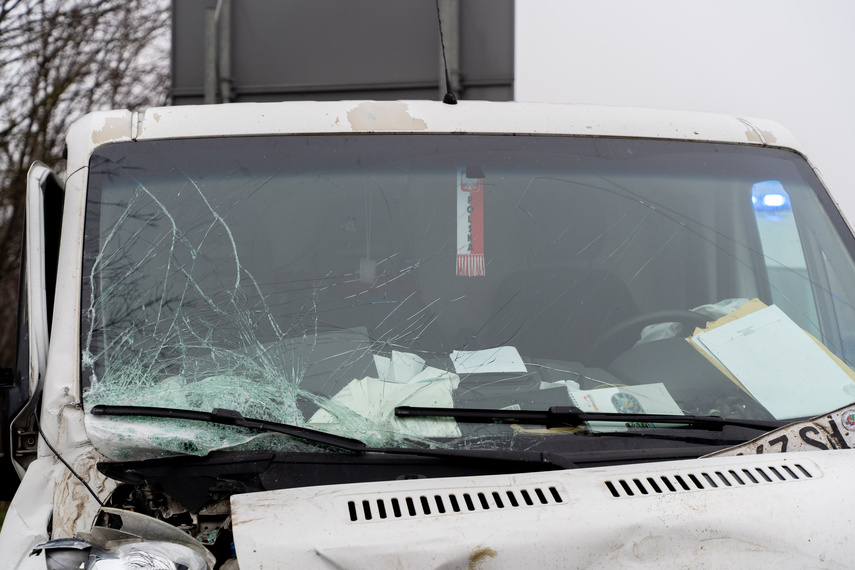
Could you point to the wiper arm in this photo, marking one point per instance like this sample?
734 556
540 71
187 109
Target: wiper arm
233 418
573 416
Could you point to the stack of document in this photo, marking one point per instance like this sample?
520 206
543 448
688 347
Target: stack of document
368 405
785 369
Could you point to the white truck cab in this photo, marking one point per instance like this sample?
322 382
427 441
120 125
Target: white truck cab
416 335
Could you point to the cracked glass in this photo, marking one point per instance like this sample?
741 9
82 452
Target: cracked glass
321 281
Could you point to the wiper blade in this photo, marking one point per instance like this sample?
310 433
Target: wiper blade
573 416
233 418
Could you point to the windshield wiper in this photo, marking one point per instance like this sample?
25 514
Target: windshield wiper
233 418
572 416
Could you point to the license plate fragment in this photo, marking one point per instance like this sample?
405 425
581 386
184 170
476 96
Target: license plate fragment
834 430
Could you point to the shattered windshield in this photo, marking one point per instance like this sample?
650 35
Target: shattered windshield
323 281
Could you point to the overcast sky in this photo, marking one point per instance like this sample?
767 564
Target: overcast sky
786 60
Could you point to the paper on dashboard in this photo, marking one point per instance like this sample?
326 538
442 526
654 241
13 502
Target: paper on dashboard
778 363
376 400
639 399
407 368
502 359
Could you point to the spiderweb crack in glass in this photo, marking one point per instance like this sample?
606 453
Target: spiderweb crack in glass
265 274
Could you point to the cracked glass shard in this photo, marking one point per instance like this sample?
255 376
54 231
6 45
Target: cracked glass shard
271 275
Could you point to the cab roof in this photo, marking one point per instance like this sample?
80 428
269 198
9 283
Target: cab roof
474 117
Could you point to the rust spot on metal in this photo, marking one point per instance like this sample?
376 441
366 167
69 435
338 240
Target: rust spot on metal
479 555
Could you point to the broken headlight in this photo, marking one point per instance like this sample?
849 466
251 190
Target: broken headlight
68 554
131 540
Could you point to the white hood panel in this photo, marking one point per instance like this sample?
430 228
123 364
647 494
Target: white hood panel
791 510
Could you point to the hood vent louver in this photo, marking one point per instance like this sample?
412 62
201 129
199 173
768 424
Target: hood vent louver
433 503
707 480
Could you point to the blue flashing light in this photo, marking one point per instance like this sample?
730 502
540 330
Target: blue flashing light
774 200
769 196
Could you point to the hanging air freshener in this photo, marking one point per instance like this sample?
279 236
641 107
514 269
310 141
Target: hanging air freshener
470 225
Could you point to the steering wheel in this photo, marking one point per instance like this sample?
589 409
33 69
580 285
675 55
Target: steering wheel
623 335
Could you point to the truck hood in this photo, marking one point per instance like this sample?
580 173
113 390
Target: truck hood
790 509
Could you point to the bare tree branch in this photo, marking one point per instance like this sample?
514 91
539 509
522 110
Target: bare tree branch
60 59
